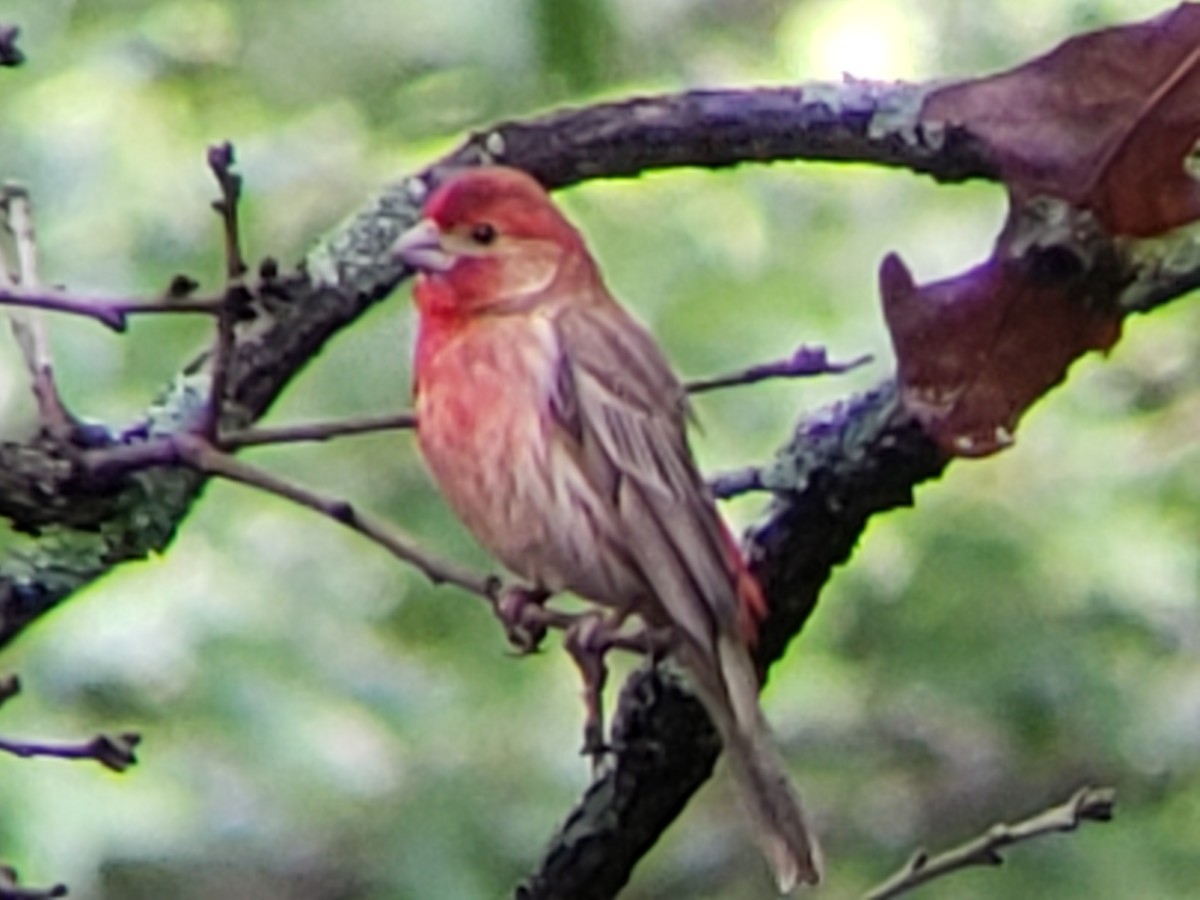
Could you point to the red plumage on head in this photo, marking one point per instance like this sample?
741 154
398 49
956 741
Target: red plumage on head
510 200
527 244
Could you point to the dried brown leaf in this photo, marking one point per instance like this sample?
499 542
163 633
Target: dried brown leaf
1107 121
975 351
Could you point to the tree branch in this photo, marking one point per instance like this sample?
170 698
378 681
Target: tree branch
110 312
523 611
28 327
220 161
843 121
806 362
1088 804
316 431
115 753
203 457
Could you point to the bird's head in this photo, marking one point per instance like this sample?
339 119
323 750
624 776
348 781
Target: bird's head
489 239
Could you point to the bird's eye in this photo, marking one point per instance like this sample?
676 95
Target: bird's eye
483 233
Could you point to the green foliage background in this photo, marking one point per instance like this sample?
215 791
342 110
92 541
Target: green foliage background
322 724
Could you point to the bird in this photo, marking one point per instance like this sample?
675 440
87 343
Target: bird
555 428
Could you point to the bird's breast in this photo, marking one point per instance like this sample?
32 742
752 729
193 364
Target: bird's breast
485 429
489 383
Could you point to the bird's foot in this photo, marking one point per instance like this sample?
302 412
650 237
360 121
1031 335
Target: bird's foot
521 610
588 640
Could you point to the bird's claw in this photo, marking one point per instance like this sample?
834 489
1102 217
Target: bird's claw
520 611
595 747
657 642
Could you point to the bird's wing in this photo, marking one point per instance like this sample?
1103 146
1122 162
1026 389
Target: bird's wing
618 399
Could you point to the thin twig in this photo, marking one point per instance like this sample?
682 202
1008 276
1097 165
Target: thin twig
114 752
1088 804
109 312
202 456
11 890
20 223
736 482
28 327
316 431
220 161
804 363
526 620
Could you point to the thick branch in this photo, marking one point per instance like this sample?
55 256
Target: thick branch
849 121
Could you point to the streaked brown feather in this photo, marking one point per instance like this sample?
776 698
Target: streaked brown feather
632 417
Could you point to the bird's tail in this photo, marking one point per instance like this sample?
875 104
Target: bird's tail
730 693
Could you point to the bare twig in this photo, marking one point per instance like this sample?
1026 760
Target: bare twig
109 312
195 451
1088 804
10 53
736 482
28 327
11 890
522 610
804 363
114 752
220 161
316 431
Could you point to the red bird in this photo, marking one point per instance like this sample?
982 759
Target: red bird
556 429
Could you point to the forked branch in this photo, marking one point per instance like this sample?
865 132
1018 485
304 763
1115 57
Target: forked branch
114 752
1088 804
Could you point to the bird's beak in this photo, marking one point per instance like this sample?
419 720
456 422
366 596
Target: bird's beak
421 248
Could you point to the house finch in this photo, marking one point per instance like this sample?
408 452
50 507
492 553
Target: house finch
556 430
